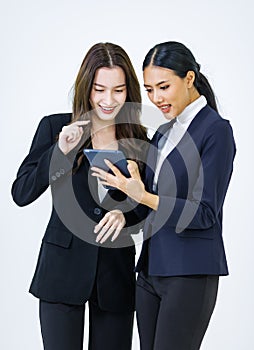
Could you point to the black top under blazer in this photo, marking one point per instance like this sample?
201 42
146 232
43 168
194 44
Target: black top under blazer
184 236
70 264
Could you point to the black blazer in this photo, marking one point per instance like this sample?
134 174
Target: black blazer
69 261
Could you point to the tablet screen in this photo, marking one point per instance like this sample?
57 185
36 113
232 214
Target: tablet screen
96 158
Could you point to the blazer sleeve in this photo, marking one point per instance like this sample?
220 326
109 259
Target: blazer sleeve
37 171
134 213
204 203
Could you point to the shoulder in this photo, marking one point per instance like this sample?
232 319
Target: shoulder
215 122
55 122
49 127
59 119
217 130
211 121
211 117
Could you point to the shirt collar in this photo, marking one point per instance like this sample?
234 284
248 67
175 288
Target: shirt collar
191 110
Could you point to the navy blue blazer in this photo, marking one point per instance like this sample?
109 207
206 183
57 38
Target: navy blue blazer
70 262
184 236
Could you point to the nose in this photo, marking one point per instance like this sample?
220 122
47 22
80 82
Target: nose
157 98
108 98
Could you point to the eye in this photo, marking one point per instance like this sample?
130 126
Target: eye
118 91
149 90
165 87
98 90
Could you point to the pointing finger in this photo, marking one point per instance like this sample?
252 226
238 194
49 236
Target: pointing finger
82 122
133 170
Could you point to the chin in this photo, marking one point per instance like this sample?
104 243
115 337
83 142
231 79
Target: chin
106 117
169 116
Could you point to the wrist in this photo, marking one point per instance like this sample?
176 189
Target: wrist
150 200
61 148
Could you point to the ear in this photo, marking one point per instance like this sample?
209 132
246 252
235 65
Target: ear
190 78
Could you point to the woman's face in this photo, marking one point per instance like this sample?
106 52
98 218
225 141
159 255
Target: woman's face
170 93
108 92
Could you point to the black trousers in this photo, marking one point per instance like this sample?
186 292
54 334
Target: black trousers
62 327
173 313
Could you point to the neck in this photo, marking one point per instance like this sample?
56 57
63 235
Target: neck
194 95
103 134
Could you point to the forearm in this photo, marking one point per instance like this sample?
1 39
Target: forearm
34 176
45 164
150 200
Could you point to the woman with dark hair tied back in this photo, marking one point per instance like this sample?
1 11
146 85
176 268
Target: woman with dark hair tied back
75 263
177 57
189 166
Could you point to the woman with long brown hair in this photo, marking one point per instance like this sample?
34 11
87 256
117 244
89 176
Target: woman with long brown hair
73 266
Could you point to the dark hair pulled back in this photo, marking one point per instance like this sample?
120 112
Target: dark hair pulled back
176 56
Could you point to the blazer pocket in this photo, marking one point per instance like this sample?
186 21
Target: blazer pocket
54 235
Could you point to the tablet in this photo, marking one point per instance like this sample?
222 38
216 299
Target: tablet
96 158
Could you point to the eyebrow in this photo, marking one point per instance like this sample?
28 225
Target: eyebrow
121 85
161 82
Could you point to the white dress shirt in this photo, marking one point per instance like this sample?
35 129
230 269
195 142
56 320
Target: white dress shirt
176 132
102 191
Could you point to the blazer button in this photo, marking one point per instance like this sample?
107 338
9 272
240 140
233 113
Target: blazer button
53 177
97 211
62 171
58 174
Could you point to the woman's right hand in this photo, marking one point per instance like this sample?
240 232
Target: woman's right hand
70 136
132 186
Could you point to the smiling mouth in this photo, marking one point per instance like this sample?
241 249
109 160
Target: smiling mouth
107 109
165 108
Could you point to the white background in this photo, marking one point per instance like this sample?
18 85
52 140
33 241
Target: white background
43 43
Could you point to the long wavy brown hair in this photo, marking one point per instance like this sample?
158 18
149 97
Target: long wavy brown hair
129 131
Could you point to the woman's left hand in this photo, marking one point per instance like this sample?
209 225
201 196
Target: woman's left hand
132 186
111 224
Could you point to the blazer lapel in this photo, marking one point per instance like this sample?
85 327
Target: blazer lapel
153 153
186 148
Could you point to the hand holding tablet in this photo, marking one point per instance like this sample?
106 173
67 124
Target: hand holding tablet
96 159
